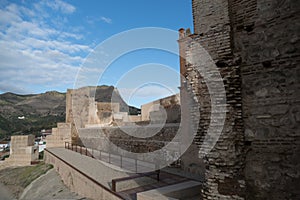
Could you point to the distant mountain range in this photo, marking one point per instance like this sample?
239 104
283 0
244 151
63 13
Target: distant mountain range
28 114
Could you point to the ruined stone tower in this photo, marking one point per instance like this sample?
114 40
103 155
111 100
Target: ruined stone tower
255 45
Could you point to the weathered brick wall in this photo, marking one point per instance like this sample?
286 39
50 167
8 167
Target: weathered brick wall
224 163
226 158
266 36
258 41
212 23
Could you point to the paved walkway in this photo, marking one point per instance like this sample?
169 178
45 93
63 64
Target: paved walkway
101 172
92 167
104 173
121 162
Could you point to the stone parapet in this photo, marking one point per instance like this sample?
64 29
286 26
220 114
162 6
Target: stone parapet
59 136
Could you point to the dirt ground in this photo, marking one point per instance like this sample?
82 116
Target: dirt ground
16 179
48 187
5 194
39 182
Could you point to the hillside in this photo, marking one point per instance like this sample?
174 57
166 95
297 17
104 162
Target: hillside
41 111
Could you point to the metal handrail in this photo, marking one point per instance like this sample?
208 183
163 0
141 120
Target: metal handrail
67 146
114 181
87 153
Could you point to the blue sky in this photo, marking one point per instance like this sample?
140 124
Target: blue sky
43 44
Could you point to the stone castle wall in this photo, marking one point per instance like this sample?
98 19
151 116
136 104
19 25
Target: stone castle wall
255 46
77 110
22 150
224 163
60 135
171 104
266 36
97 138
212 24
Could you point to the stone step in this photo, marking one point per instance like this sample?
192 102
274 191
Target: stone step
184 190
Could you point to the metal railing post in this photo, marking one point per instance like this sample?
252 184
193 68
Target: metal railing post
158 171
113 185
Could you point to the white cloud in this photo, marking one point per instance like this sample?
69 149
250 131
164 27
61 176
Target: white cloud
34 53
93 20
59 5
106 20
7 16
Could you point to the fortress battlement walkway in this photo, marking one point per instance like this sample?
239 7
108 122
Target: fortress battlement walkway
93 178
